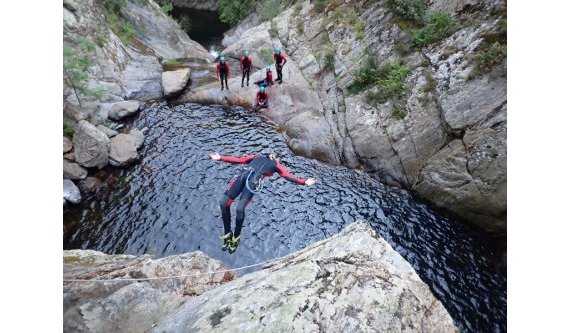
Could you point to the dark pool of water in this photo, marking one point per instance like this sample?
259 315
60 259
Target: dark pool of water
168 204
206 27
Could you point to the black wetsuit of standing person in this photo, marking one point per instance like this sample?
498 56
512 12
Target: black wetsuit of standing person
280 61
249 182
223 71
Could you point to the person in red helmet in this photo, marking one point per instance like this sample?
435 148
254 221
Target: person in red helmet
248 183
262 99
223 71
280 61
268 78
246 64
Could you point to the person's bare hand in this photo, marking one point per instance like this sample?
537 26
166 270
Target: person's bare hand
215 156
310 181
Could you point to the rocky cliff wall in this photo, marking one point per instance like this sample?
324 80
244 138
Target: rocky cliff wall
351 282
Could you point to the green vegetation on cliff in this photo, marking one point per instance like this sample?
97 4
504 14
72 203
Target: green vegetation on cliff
118 24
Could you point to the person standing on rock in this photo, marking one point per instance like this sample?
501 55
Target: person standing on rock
268 78
246 63
280 61
223 71
262 99
248 183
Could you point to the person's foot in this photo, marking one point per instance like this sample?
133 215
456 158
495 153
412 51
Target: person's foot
280 82
222 88
227 238
228 88
248 83
234 243
242 84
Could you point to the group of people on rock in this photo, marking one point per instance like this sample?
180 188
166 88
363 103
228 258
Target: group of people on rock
246 66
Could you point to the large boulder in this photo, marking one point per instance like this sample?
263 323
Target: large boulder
109 132
173 82
71 192
67 144
131 306
73 170
120 110
124 148
91 145
351 282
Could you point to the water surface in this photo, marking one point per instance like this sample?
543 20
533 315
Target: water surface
168 204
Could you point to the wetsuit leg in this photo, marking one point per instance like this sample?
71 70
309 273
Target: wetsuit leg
222 80
244 200
232 191
279 68
226 77
243 77
248 70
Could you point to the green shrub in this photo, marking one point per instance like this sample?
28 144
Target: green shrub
118 24
170 61
413 10
100 39
438 27
273 32
166 8
489 57
268 10
76 63
398 112
352 18
68 130
233 11
360 30
337 14
266 55
390 80
185 23
365 76
301 27
328 60
319 5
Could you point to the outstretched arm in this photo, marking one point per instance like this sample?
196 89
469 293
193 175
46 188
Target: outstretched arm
292 178
240 160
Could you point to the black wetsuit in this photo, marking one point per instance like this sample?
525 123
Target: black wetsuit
258 167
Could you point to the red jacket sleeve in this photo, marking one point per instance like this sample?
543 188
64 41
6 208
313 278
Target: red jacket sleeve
284 59
241 63
250 62
240 160
285 174
270 77
218 69
228 69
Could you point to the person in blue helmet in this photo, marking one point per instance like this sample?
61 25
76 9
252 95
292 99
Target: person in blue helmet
262 99
223 71
280 61
246 64
268 78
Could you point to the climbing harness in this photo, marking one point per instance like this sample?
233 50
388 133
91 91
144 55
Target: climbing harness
258 184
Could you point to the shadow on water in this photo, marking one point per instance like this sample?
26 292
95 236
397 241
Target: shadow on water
168 204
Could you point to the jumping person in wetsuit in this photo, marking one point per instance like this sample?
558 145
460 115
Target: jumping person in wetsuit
223 71
262 99
280 61
246 64
249 182
268 78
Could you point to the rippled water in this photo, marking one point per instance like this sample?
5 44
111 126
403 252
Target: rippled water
168 204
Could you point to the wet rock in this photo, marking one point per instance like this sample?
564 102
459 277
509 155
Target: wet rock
67 144
89 184
173 82
73 170
71 192
108 132
123 109
124 148
70 5
131 306
70 156
197 4
91 145
337 284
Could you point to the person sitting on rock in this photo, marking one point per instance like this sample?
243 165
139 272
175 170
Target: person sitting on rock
262 99
248 183
268 78
246 63
280 61
223 71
